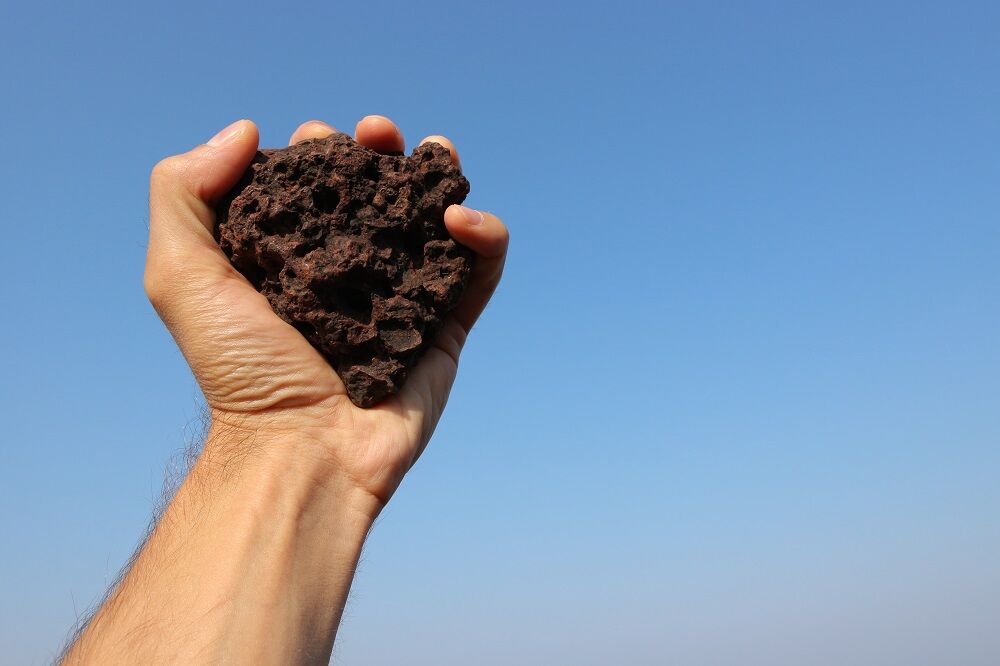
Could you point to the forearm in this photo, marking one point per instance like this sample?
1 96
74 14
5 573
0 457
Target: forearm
251 562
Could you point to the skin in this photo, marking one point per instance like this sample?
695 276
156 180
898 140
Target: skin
253 559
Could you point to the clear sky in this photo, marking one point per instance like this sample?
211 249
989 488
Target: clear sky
736 402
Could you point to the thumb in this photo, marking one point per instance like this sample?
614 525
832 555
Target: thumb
183 190
197 179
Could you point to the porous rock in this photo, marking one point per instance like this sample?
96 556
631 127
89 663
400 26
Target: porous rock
350 248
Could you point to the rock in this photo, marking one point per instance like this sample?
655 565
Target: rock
350 248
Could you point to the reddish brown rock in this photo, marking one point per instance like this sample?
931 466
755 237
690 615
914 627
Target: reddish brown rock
350 248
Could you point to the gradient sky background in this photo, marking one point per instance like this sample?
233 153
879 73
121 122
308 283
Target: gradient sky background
736 402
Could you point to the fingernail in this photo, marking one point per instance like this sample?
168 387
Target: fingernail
227 134
473 217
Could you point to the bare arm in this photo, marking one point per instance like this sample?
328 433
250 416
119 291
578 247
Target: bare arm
253 559
251 563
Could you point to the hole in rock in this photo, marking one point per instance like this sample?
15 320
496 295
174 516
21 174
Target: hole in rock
281 224
326 199
432 178
355 302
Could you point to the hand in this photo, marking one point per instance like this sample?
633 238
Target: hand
258 374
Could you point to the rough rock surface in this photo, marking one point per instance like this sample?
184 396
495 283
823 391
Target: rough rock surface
349 247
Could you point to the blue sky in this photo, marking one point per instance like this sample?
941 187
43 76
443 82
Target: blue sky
736 401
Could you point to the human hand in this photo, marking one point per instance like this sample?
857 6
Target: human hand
260 377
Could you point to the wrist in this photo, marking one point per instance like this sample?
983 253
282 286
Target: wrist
296 462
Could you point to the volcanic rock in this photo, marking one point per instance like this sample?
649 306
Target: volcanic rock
349 247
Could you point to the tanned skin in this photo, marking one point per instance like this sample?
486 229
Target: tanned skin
252 560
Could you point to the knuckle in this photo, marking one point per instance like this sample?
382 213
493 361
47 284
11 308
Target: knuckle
499 232
166 172
153 287
494 279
